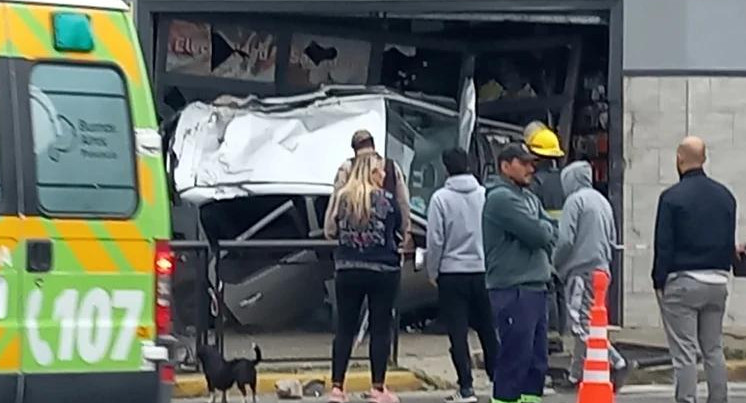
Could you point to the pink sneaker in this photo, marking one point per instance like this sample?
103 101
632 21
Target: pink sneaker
337 396
376 396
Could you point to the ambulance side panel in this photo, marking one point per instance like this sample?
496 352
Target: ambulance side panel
92 202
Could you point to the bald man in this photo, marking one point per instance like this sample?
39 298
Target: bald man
694 249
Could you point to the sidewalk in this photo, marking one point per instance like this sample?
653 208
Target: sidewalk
314 352
734 339
424 360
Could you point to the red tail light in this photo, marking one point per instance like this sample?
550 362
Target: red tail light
167 374
164 269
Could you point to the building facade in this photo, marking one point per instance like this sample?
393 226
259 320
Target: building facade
684 73
681 71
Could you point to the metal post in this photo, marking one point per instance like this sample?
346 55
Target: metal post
201 250
397 325
616 155
219 324
395 340
203 299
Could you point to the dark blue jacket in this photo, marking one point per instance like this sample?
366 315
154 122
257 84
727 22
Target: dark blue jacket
374 246
695 227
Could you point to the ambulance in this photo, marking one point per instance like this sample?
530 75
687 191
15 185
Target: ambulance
85 266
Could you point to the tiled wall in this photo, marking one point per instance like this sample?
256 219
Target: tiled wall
658 112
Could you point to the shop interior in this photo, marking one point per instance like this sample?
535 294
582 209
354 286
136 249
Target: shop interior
524 67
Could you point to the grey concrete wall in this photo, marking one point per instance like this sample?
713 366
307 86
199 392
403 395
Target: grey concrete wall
658 112
663 50
684 35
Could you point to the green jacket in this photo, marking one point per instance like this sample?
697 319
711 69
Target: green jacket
518 237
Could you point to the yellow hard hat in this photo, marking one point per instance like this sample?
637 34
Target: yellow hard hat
542 141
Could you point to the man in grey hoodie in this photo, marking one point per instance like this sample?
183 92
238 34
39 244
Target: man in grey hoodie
455 260
587 235
518 236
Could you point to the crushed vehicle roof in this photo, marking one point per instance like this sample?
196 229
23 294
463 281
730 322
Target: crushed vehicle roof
238 147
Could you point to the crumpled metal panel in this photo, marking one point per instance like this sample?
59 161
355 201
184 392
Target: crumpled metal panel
233 151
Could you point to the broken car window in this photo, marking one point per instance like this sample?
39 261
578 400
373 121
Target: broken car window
416 139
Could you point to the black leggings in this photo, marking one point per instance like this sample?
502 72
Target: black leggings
351 287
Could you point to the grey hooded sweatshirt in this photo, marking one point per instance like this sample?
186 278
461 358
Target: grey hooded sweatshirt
454 228
587 232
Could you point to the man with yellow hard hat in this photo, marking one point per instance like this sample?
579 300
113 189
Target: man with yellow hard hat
547 185
544 143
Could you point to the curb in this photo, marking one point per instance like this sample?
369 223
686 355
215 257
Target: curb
432 382
663 374
736 370
190 386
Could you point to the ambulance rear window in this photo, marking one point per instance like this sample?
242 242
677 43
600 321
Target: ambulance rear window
83 140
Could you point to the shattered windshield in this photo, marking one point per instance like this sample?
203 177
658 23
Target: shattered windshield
416 138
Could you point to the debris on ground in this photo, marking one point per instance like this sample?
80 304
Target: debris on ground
289 389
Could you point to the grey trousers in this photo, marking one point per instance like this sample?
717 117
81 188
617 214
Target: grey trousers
692 313
579 295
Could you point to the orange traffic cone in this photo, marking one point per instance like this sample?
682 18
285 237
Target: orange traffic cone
596 386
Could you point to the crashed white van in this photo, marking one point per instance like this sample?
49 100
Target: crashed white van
264 168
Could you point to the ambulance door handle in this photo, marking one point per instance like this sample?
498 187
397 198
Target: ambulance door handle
39 255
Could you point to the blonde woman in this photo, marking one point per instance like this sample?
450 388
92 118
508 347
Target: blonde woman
364 219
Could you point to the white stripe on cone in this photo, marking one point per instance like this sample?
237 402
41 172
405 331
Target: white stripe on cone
598 333
596 376
598 354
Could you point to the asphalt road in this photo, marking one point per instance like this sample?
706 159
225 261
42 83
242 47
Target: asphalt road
631 394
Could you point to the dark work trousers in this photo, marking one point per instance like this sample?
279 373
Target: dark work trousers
351 288
520 316
464 303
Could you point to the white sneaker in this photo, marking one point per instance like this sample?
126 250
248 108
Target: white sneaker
458 397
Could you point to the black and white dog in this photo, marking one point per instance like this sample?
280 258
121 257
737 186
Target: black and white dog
222 374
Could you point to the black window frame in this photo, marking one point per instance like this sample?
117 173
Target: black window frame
8 145
21 70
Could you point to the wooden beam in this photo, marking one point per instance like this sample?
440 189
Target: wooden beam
564 128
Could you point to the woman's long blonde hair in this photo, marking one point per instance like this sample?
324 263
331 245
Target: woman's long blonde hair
360 184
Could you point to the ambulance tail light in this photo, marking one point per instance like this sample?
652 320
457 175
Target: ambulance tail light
164 269
167 373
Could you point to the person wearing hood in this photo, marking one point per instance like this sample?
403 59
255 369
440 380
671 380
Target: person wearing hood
518 237
455 262
587 237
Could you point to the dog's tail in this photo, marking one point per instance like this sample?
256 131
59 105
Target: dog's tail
257 354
